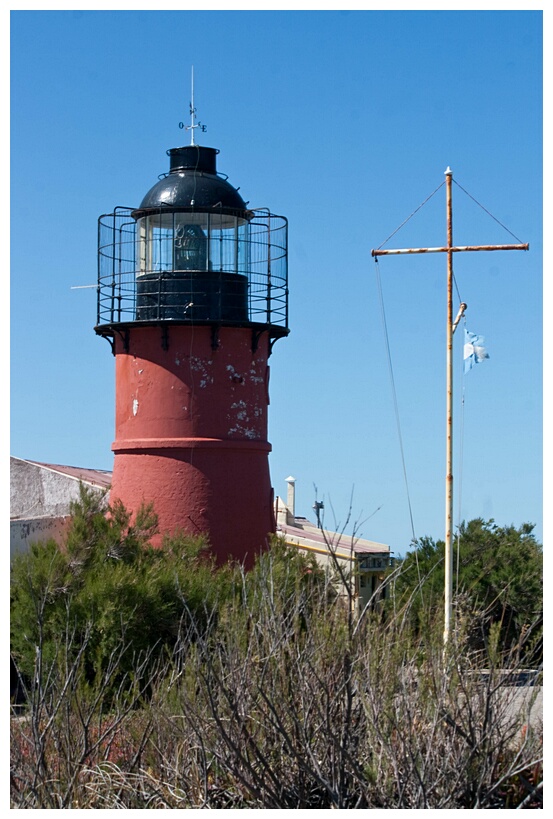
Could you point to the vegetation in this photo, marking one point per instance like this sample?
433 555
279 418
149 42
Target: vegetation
498 586
109 591
155 679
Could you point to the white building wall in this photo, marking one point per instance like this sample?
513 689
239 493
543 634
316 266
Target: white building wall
36 491
33 530
40 501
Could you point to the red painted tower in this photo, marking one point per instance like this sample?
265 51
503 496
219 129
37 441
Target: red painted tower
192 294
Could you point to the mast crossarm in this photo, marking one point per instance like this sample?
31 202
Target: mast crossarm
447 249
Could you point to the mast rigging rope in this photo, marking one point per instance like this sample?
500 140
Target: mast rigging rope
488 212
410 217
394 394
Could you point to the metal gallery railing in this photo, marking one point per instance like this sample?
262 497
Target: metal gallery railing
230 275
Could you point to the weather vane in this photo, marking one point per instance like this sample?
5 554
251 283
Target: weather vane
193 124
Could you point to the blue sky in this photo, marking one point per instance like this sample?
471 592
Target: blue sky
344 122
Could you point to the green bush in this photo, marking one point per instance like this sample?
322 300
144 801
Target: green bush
263 691
109 592
497 586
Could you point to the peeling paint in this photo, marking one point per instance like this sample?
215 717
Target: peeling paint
256 379
234 376
199 366
196 364
246 432
242 407
135 406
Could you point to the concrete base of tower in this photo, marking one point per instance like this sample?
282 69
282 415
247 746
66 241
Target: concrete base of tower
209 487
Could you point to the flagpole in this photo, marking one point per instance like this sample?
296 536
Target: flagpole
450 329
448 582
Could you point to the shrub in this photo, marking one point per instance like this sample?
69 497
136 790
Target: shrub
110 590
498 586
262 691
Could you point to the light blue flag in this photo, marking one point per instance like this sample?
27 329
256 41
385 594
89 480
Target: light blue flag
474 350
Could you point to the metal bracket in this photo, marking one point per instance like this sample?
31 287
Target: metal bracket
111 342
215 341
256 335
459 316
125 338
272 342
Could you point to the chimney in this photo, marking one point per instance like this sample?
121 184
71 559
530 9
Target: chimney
291 497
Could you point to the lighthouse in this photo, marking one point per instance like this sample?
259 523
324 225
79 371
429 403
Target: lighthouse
192 295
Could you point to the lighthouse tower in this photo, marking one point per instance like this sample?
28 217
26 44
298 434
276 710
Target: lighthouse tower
192 295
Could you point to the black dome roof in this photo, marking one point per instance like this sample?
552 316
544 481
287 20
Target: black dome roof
192 183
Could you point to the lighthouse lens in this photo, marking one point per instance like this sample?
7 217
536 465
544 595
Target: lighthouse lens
190 245
191 241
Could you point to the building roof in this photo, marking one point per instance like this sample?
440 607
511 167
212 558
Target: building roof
96 477
305 533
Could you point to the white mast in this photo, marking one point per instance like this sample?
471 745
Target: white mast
450 329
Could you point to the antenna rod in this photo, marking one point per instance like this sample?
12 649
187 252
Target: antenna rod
192 109
193 124
448 585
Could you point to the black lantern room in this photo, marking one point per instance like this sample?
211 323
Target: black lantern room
192 252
